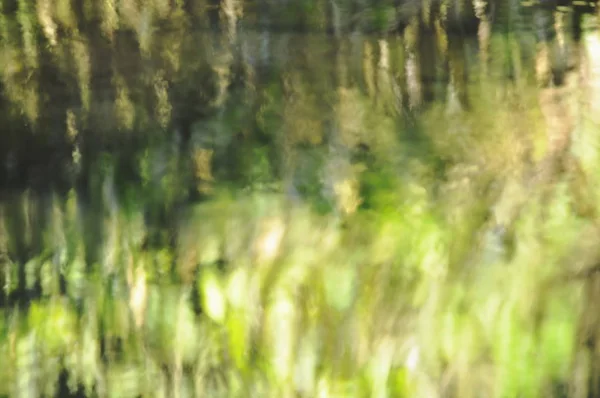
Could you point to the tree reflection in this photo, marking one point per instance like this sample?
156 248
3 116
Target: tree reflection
298 198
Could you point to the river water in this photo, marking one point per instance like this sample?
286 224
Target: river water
343 198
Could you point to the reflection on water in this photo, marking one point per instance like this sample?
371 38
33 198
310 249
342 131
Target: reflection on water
271 198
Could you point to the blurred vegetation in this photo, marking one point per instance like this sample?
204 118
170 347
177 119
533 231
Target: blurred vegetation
299 198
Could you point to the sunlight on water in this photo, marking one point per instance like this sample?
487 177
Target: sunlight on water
299 198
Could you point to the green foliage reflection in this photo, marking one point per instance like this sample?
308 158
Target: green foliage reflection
249 205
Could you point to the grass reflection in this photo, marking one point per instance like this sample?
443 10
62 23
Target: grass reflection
377 305
248 212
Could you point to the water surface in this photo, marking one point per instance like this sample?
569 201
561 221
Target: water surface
298 198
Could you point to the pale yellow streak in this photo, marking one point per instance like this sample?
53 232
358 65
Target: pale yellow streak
347 194
138 296
110 18
163 105
269 241
71 125
82 63
124 107
44 12
368 69
65 15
